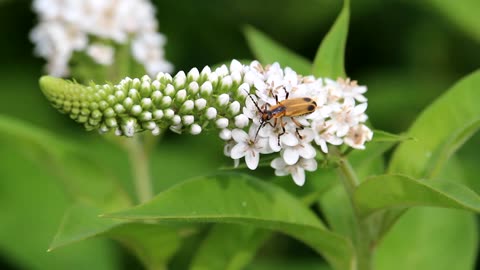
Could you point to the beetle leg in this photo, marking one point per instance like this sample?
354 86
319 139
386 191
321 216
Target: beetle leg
283 129
299 127
286 93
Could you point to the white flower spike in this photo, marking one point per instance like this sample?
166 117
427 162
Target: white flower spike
67 26
268 110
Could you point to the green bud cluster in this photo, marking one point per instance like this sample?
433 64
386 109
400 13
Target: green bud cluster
187 102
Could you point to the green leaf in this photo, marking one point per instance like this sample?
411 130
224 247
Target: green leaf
463 13
83 177
231 198
330 58
433 231
269 51
153 244
30 207
396 191
229 247
239 243
81 222
440 130
430 239
383 136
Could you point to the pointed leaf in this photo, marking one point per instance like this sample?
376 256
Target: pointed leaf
82 176
440 130
30 207
81 222
239 199
153 244
396 191
239 243
330 59
269 51
383 136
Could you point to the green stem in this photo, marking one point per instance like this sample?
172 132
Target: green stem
362 235
141 170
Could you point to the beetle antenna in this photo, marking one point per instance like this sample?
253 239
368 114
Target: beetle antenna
254 102
258 130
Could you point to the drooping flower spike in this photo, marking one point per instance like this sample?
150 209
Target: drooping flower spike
219 99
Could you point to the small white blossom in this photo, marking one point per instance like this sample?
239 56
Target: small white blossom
357 136
297 170
247 146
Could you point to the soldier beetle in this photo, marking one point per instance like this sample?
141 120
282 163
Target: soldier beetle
292 108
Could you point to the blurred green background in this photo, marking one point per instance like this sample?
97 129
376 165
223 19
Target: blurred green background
406 52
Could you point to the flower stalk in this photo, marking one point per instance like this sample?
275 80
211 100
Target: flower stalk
139 161
363 239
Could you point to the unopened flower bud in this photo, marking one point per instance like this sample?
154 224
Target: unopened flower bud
195 129
222 123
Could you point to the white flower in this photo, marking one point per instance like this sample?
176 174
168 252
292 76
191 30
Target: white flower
246 146
338 116
346 115
291 154
357 136
324 134
297 170
66 25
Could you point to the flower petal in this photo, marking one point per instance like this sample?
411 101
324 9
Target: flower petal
290 155
298 176
238 151
239 135
289 139
309 164
307 151
252 158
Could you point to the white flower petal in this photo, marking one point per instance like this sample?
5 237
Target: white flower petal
238 151
251 159
239 135
307 151
278 163
298 176
309 164
290 155
289 139
359 109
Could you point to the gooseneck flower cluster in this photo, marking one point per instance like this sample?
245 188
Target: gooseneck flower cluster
95 27
228 99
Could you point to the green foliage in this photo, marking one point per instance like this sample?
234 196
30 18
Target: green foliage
397 191
430 238
31 206
240 199
330 59
229 247
440 130
463 13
